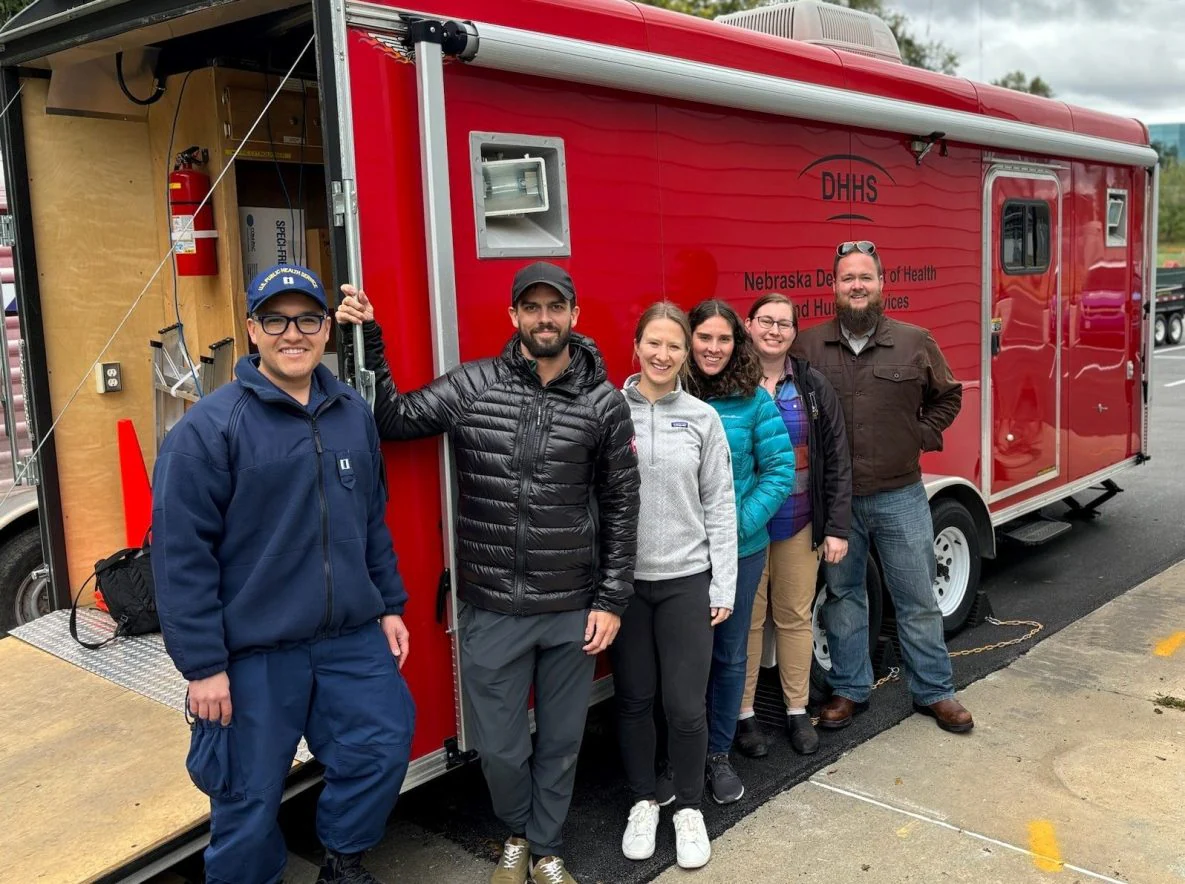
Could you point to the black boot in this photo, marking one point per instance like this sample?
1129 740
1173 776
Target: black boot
803 738
749 740
344 868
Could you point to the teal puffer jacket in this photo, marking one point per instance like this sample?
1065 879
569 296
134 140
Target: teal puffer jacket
762 464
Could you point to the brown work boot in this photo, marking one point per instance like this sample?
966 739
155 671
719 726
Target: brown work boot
550 870
838 712
515 864
950 715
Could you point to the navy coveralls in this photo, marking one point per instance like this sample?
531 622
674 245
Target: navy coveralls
273 563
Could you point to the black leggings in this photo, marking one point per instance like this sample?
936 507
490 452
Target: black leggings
666 629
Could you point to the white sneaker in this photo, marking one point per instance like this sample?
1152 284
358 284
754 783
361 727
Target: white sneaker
692 847
638 840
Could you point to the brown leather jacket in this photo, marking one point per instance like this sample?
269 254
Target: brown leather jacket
898 397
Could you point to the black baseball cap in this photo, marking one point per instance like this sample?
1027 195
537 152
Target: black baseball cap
547 274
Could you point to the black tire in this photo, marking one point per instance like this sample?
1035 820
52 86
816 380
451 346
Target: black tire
22 598
820 687
956 548
1160 331
1176 330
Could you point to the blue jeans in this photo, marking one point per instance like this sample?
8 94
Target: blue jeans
730 645
898 522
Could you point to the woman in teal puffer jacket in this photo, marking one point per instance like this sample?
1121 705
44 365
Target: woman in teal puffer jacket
726 373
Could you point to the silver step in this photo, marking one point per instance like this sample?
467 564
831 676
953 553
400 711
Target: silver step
1036 532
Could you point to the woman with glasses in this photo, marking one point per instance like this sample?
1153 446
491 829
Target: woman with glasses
812 523
684 583
726 373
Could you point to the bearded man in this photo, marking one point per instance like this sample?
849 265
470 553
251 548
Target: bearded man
898 397
540 436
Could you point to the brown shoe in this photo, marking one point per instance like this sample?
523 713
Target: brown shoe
838 711
950 715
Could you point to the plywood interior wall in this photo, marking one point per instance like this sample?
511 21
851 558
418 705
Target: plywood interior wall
102 229
93 203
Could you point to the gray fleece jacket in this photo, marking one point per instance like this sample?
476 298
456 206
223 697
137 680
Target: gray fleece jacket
687 521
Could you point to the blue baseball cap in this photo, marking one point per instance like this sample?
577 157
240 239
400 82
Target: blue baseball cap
285 278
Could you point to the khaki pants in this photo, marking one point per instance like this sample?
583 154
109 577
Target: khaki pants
787 588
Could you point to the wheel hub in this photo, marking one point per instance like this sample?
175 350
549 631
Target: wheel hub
953 558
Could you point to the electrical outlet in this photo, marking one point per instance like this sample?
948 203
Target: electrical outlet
108 377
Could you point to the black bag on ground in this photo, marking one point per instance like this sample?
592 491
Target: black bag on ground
125 580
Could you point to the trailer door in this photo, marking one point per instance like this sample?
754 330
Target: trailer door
386 173
1022 258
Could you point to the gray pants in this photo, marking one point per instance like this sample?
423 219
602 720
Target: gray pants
502 658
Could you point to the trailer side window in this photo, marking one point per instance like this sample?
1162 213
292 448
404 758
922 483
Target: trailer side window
1024 236
520 195
1116 217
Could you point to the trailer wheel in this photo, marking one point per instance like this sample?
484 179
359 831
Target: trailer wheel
956 554
1159 331
24 584
1176 327
821 658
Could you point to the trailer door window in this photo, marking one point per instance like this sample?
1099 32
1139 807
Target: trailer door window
1024 232
1116 217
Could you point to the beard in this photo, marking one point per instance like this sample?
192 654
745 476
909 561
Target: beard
860 322
540 350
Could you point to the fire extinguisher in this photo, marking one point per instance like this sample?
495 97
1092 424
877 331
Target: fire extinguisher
193 234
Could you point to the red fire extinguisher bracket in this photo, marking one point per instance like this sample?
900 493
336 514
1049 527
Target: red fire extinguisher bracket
193 233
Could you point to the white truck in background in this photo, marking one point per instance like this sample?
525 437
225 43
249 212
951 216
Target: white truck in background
24 578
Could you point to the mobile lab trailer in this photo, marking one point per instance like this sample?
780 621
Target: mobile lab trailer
651 153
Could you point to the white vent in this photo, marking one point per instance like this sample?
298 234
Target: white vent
826 24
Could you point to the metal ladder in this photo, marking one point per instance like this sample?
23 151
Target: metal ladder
174 384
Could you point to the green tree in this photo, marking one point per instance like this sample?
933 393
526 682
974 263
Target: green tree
915 51
9 8
1021 83
1172 203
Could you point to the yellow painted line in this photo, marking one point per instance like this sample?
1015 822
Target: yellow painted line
1043 844
1166 647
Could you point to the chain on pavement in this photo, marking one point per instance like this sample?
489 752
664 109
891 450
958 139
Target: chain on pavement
894 672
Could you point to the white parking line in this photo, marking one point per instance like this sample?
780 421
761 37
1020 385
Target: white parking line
1162 350
1175 383
957 829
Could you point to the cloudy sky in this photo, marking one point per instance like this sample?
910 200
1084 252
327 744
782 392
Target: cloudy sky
1121 56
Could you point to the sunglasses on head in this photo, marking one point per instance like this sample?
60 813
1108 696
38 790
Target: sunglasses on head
863 246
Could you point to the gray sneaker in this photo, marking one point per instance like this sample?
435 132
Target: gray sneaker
550 870
515 864
723 782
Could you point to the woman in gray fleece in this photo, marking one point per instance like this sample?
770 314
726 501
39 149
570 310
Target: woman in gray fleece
684 584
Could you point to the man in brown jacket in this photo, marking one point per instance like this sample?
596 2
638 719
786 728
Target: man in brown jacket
898 397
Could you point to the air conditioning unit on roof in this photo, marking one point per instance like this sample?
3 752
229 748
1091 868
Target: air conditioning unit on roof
826 24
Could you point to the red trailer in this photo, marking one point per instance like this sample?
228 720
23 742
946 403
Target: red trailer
654 155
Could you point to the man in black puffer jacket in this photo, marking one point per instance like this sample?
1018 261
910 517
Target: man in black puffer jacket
541 438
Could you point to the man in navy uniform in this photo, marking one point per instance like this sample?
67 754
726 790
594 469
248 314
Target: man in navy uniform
279 596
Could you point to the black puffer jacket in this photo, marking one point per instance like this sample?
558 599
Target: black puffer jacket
548 476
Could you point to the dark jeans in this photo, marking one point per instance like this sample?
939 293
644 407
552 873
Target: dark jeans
502 658
666 629
730 651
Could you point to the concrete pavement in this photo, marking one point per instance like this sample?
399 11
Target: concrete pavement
1074 772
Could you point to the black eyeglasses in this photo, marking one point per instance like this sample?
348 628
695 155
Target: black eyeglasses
276 324
863 246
